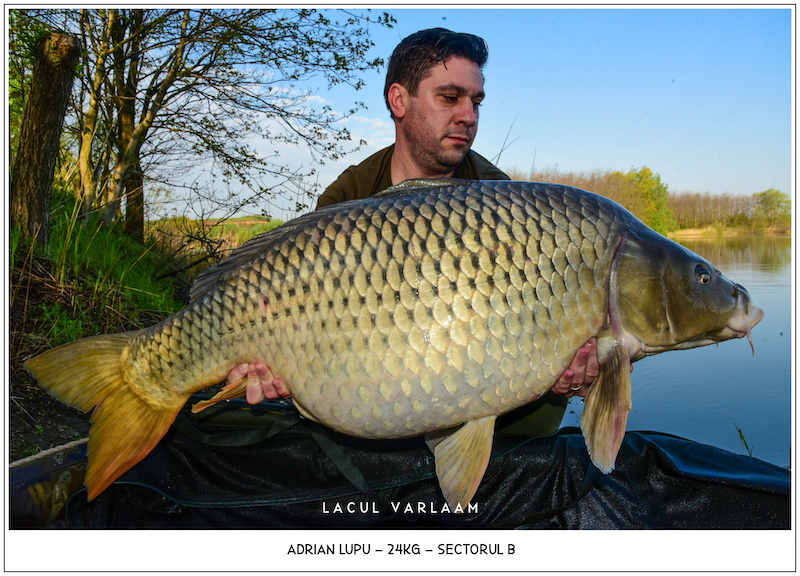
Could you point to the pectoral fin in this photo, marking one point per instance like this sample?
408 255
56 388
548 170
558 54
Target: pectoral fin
605 413
462 456
229 392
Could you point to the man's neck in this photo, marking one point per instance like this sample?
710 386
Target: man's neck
404 168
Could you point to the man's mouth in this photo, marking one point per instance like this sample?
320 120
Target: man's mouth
459 138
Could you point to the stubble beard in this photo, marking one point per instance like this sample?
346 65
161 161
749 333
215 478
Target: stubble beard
439 156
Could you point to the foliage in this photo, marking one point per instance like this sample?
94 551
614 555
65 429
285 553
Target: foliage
120 268
640 191
768 209
643 193
695 210
772 206
648 186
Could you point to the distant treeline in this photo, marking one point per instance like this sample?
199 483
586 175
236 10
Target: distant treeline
768 209
642 192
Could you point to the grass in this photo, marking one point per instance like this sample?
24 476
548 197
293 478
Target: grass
120 263
88 280
13 244
743 439
64 326
103 281
97 272
196 245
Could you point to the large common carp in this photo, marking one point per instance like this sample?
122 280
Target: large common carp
431 308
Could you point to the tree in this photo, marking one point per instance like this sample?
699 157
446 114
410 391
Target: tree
163 90
654 194
55 58
772 206
23 34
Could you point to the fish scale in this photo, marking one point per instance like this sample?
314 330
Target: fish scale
451 327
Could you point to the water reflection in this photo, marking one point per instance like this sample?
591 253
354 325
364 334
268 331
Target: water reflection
767 254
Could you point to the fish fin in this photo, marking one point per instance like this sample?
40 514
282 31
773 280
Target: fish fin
254 248
89 374
229 392
461 457
417 184
124 430
605 413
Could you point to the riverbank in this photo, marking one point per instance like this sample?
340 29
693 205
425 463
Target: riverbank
712 232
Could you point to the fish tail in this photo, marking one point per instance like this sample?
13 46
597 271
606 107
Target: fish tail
89 374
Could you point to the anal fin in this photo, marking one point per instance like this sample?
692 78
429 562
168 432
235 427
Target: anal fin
605 413
461 457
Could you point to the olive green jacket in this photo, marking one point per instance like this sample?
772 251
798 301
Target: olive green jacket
374 174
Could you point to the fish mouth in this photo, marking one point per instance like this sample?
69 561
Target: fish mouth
742 325
739 326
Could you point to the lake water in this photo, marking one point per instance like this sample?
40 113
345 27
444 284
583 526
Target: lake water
705 393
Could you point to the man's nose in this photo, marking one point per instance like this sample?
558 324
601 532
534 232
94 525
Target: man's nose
467 112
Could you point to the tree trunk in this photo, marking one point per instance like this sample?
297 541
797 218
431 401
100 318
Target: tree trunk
56 56
86 171
126 80
129 154
134 203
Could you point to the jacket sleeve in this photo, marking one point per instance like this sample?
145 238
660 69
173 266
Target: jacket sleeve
339 191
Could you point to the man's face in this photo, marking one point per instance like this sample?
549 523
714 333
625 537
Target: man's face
441 121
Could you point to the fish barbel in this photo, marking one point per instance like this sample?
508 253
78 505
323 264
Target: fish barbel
431 308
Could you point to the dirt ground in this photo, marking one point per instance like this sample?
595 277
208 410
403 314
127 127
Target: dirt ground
37 421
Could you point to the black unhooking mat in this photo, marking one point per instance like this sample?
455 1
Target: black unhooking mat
296 474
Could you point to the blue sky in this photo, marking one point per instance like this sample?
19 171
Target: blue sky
701 96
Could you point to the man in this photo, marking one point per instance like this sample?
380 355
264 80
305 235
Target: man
434 89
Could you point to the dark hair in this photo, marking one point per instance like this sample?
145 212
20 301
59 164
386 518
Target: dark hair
413 58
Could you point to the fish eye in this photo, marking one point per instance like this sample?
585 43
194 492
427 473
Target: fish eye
702 274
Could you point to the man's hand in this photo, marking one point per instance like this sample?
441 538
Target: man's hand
581 374
261 382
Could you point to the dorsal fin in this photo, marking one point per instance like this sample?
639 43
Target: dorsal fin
263 242
419 184
248 252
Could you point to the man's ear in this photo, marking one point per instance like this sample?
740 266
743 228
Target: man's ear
398 100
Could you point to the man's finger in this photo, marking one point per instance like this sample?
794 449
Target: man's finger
253 390
236 375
